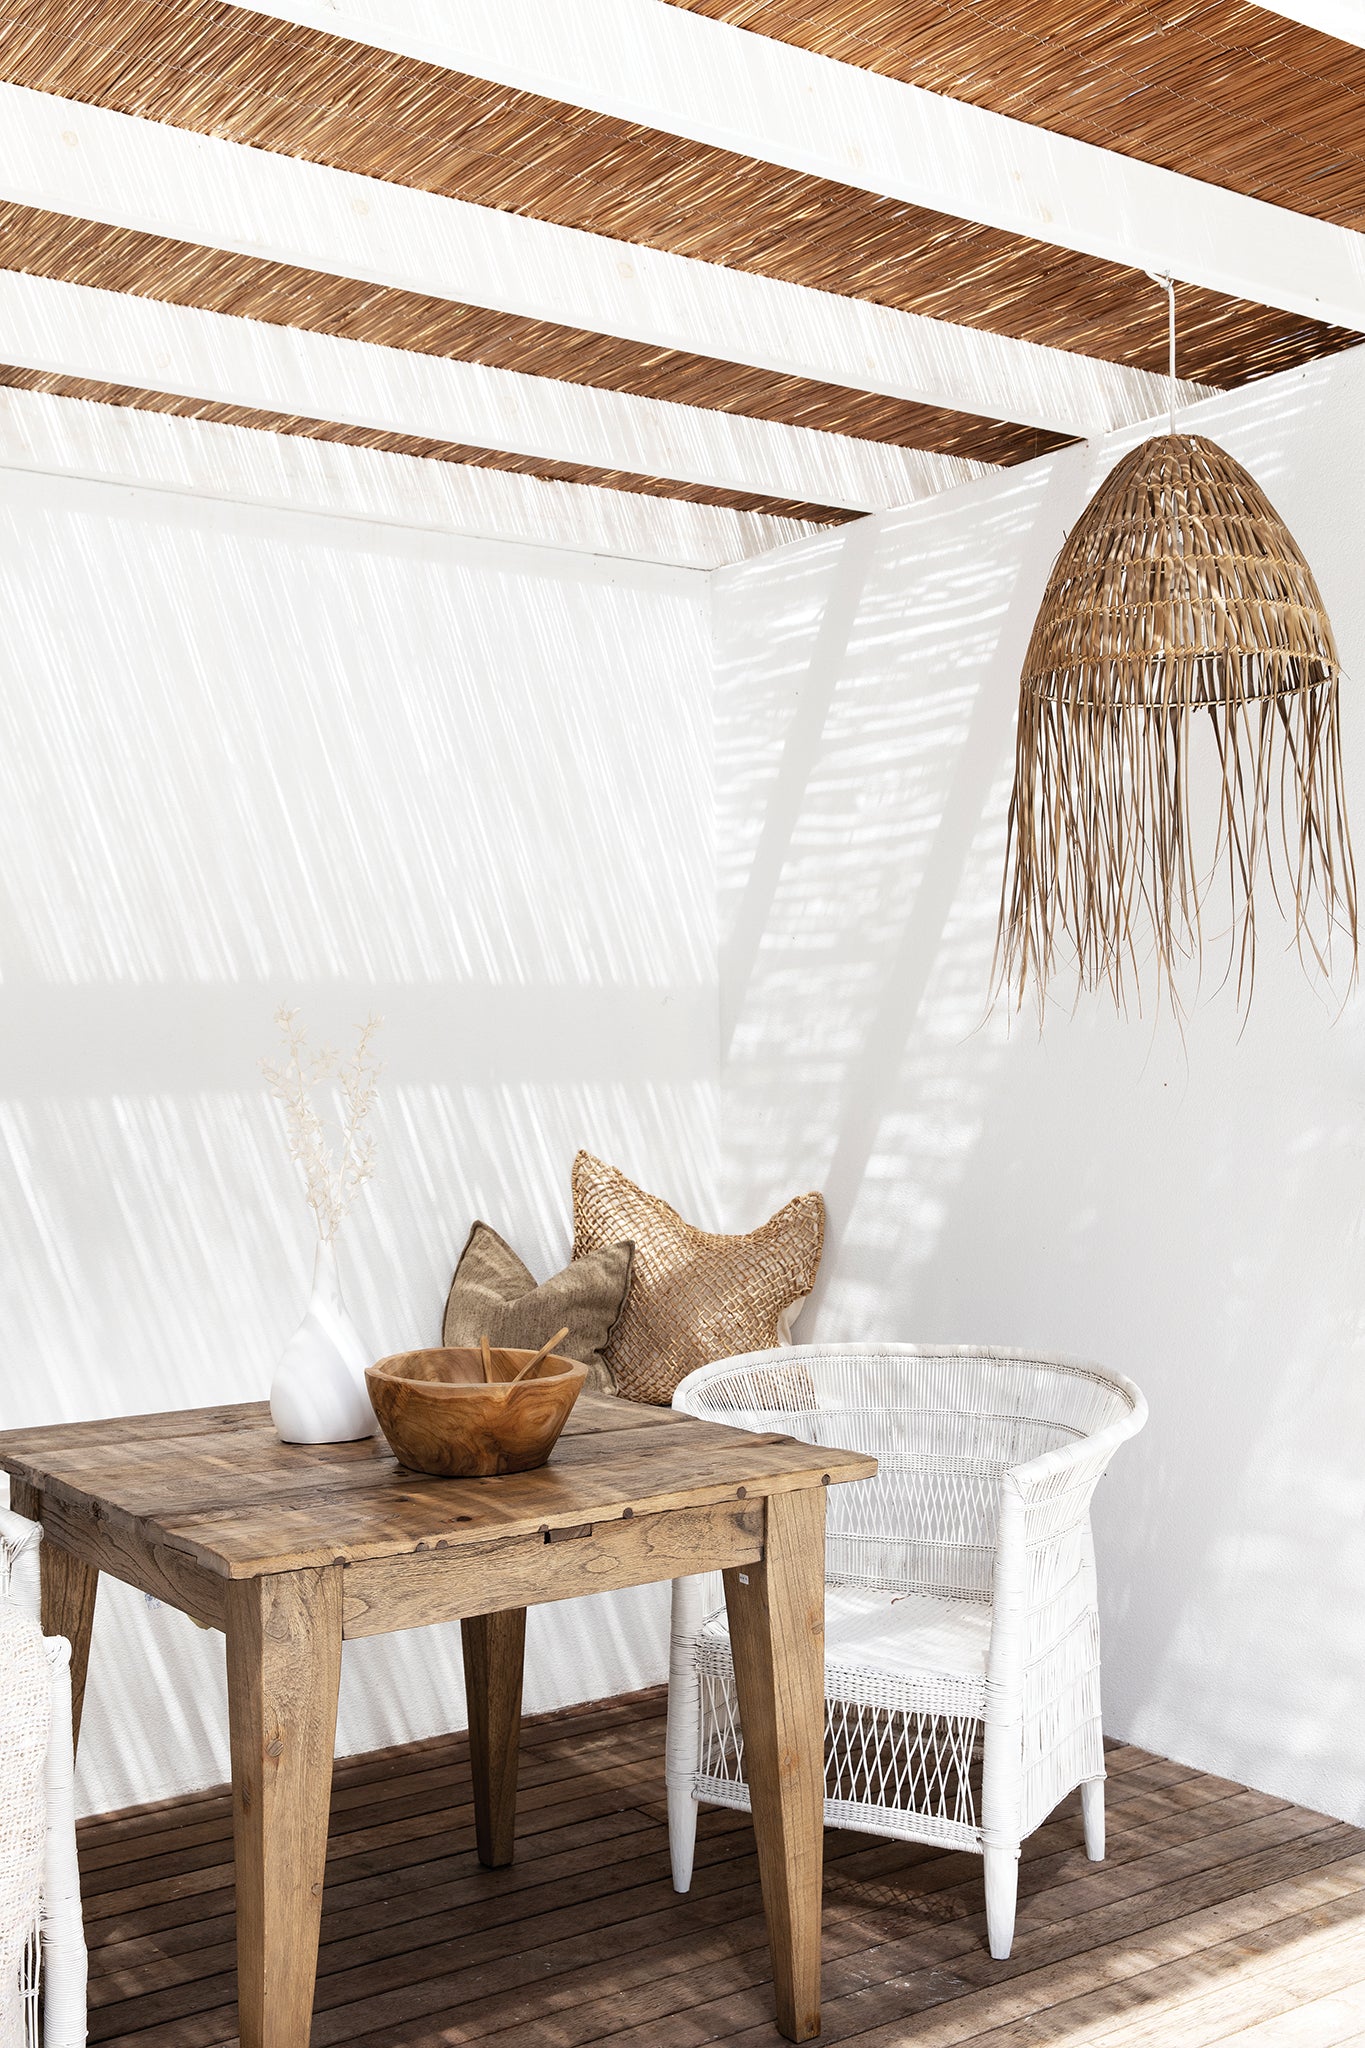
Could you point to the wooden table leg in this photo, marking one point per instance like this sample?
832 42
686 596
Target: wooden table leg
494 1654
777 1636
69 1589
284 1669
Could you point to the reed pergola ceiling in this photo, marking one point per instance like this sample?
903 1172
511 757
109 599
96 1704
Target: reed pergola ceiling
218 70
142 400
1218 91
40 243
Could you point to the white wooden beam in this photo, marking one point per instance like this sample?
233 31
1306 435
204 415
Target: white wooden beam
98 165
204 459
1344 19
687 75
119 338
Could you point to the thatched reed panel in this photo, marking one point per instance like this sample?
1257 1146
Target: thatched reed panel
414 444
184 274
222 70
1219 89
1182 667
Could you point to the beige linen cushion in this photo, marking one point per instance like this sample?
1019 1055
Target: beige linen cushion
494 1295
694 1295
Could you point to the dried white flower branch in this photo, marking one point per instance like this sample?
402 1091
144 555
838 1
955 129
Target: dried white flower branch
331 1181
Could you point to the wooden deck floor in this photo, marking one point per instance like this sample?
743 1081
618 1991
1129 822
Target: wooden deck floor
1220 1915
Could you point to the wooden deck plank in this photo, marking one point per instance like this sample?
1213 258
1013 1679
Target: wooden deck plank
440 1798
1221 1915
758 1932
438 1892
141 1962
427 1799
1162 1995
391 1932
1315 1997
1322 2022
651 1992
352 1775
547 1807
942 1977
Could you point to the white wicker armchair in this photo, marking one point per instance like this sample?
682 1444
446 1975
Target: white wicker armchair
962 1656
42 1938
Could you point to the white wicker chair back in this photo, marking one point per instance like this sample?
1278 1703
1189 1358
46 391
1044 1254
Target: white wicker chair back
945 1425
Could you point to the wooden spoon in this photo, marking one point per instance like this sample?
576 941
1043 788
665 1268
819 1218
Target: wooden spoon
487 1362
543 1352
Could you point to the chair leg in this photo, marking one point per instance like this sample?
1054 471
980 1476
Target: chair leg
682 1742
1002 1887
1092 1813
682 1833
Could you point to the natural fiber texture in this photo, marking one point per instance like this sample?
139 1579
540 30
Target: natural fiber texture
962 1668
45 244
413 444
495 1295
229 72
695 1295
1223 90
1180 611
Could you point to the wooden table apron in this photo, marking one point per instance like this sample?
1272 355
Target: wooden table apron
290 1550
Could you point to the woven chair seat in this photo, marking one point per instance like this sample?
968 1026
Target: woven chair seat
911 1650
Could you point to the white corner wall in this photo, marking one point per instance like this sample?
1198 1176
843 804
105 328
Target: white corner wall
248 757
1189 1212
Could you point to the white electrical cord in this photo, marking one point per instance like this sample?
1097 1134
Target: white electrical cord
1168 286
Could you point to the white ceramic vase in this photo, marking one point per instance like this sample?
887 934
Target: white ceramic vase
318 1394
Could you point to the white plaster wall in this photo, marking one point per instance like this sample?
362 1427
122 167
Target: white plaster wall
1190 1211
248 757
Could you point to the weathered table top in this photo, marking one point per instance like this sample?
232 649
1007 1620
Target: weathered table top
217 1485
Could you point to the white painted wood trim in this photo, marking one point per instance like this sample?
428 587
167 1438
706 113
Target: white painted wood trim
687 75
98 165
118 338
1344 19
201 458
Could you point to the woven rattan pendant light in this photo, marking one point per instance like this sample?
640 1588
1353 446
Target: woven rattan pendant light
1182 669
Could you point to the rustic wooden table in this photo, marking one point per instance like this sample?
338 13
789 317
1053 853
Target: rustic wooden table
290 1550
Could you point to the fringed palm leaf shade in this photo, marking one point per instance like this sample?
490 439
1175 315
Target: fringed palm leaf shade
1180 596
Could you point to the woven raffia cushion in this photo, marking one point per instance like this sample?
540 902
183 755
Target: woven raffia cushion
495 1295
695 1295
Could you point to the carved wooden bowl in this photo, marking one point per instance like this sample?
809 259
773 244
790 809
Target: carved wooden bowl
441 1416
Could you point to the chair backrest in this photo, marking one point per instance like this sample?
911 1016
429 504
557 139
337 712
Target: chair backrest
59 1936
25 1742
945 1424
19 1544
